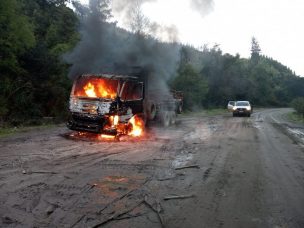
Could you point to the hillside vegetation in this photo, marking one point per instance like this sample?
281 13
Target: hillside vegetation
35 34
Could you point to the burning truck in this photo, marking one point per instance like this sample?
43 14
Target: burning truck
120 104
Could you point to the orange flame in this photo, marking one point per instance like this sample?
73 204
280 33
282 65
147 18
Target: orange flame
99 88
137 126
114 120
107 136
90 90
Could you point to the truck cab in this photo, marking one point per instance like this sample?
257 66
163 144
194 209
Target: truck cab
106 103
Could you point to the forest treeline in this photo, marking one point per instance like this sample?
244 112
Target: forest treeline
35 34
259 79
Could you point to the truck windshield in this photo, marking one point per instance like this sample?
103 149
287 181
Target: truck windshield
96 87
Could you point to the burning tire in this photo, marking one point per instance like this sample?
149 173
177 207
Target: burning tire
137 126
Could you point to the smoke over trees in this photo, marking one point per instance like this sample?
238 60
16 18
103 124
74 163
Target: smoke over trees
202 6
124 7
104 47
138 21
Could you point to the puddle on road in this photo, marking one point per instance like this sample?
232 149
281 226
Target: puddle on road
182 160
257 126
293 131
298 132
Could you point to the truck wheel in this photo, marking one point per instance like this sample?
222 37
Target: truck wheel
165 118
179 109
173 118
151 112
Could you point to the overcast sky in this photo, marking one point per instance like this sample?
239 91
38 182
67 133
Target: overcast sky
278 25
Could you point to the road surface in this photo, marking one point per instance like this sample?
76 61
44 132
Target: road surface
219 171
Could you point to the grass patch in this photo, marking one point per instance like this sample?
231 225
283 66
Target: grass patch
215 111
206 112
295 117
7 131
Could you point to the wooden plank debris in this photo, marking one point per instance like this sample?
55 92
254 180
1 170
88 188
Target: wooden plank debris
188 167
179 197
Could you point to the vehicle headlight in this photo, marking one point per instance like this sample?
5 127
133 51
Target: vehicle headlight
73 104
234 108
248 108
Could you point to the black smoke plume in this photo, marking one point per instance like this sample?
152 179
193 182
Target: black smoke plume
104 46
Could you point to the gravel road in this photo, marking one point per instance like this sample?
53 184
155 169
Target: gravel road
219 171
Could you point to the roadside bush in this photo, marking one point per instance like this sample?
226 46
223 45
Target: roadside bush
298 105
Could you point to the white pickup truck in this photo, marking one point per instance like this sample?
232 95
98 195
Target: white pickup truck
242 108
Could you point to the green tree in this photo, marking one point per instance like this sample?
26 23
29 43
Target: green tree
192 85
298 105
255 50
56 33
16 37
33 36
